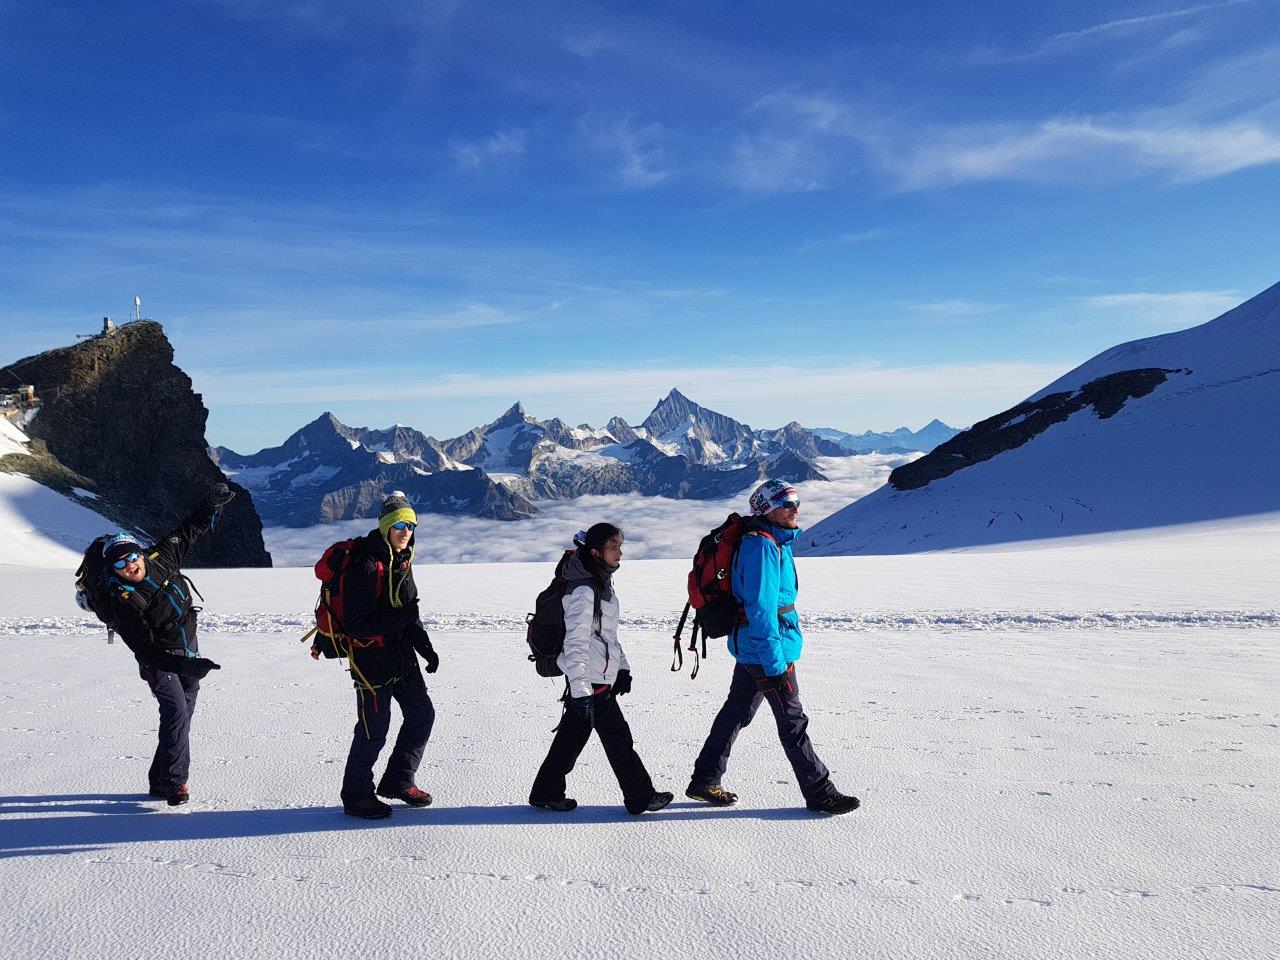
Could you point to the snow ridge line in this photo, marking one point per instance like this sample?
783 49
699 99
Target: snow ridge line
943 621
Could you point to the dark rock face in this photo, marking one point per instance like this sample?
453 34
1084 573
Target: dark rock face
1016 426
117 411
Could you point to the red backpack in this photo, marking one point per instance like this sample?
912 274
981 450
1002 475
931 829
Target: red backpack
332 640
717 611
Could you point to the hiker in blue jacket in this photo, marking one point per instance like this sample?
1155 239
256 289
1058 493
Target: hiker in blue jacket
766 647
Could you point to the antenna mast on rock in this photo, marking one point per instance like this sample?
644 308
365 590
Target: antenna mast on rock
137 308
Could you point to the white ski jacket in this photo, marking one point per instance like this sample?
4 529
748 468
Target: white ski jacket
591 656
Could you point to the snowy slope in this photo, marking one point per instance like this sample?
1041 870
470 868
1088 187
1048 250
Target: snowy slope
39 527
1201 445
1035 787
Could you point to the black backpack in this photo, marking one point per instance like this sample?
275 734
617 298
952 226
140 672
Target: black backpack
545 635
92 592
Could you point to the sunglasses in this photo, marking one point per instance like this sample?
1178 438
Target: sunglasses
124 562
787 505
404 525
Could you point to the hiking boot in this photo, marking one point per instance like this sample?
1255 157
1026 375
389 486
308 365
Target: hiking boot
660 800
412 795
178 796
563 805
158 792
835 804
366 808
711 793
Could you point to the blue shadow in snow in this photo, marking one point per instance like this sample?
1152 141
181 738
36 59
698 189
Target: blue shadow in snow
123 820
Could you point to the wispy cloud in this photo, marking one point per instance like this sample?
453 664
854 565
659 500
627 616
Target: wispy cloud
1126 24
1107 30
505 145
639 149
844 239
816 381
1172 310
1066 150
951 310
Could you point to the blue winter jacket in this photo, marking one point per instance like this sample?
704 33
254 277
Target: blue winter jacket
764 579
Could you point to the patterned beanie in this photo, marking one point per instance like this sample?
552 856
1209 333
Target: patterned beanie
772 494
395 508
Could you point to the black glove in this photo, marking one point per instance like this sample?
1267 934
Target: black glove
584 708
197 667
623 682
219 496
781 683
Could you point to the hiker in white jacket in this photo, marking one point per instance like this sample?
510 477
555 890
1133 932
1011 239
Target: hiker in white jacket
596 674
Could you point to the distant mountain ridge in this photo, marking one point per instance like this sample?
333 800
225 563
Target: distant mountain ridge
329 471
901 440
1176 428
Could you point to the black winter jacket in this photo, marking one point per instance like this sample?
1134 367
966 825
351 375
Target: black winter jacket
368 613
155 617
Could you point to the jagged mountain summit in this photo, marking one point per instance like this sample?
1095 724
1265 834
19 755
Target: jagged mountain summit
120 429
1169 429
329 471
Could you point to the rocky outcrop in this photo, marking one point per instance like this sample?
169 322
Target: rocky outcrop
118 413
1016 426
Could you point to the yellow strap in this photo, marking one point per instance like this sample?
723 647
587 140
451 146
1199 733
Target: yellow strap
307 636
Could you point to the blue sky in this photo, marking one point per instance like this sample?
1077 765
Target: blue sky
857 215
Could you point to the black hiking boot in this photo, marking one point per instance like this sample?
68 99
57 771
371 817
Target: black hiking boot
412 795
711 793
835 804
178 796
563 805
660 800
366 808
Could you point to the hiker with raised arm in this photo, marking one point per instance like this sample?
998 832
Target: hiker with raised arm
141 593
766 644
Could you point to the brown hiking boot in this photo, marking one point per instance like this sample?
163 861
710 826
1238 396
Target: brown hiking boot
713 794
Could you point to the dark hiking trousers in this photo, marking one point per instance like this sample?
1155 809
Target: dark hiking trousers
372 723
793 730
177 699
615 737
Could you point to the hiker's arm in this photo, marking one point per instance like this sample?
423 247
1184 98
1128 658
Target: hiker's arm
178 543
363 616
760 572
579 626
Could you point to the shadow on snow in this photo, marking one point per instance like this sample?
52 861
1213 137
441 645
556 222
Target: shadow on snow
99 820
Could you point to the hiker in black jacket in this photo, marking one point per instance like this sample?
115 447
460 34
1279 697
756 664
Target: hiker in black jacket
381 615
151 609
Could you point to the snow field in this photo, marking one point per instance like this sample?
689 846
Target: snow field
1031 789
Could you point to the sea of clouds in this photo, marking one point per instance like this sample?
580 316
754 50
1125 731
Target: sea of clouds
655 527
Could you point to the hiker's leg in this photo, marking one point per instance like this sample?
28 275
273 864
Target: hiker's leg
569 740
811 773
739 707
172 760
418 717
619 747
373 709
